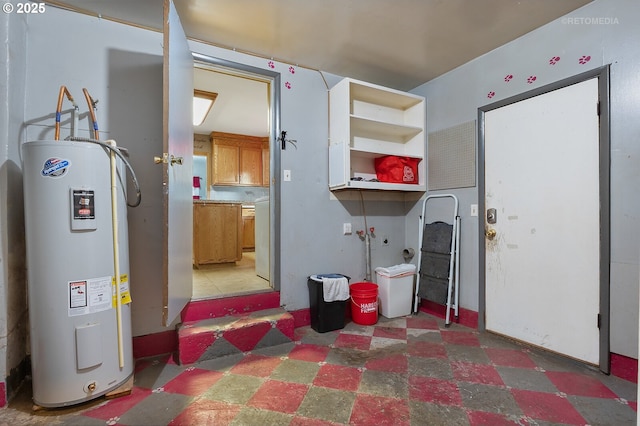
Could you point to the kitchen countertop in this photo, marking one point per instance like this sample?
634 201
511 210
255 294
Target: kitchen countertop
245 205
216 202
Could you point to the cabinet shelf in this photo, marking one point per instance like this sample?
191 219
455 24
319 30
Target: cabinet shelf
381 186
383 96
373 154
369 121
390 132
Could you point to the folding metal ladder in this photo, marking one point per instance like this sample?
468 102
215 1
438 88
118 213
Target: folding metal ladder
439 260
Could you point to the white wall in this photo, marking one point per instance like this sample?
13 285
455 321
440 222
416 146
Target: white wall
607 31
13 304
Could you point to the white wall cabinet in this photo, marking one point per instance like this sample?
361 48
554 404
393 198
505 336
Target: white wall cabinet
369 121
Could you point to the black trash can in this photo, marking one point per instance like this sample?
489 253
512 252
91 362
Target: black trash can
325 316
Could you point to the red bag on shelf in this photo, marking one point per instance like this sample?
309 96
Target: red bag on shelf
394 169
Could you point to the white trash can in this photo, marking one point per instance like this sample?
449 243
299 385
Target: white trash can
395 289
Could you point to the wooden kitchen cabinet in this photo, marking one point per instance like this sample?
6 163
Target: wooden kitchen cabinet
239 159
226 164
217 233
248 233
251 165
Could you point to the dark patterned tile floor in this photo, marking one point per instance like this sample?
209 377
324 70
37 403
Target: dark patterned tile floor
402 371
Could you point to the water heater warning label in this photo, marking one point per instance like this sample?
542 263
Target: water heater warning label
125 295
89 296
77 294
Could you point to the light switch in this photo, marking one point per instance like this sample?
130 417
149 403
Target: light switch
287 175
346 228
474 210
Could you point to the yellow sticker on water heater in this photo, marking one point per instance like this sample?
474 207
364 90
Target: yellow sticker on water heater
125 295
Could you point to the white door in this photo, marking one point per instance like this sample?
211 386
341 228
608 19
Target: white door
177 170
542 277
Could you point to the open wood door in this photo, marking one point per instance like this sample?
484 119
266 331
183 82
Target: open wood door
177 167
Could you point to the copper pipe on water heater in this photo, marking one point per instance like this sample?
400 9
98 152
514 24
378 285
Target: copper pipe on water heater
63 91
92 111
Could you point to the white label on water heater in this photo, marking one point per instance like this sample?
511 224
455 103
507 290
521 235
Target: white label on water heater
83 209
87 296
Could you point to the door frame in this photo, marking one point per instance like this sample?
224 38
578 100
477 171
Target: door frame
274 153
602 74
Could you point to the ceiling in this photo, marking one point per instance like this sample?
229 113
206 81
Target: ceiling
242 104
395 43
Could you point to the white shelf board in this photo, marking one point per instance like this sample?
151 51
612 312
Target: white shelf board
367 92
370 153
389 131
383 186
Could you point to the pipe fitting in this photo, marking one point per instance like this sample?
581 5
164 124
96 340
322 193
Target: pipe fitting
408 254
90 387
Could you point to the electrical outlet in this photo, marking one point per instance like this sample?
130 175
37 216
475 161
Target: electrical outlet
346 228
384 240
474 210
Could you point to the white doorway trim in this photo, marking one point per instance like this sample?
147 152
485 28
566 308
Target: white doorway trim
602 74
274 132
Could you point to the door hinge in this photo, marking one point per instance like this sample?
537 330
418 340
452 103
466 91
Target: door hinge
599 320
598 108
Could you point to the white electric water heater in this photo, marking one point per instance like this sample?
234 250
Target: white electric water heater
80 347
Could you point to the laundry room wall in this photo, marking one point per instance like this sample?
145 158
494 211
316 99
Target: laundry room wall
13 290
600 33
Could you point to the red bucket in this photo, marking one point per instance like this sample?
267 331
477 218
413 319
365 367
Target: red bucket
364 303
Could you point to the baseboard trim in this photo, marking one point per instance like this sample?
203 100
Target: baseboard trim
155 344
624 367
466 317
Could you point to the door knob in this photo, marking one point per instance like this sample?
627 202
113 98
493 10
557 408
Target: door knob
176 160
490 233
165 159
161 160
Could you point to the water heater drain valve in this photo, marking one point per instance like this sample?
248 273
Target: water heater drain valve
90 387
